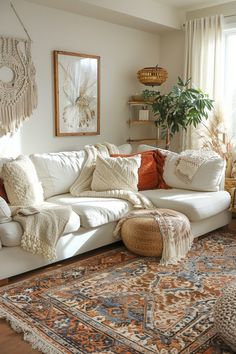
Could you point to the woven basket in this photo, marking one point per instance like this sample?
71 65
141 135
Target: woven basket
142 236
229 184
225 315
152 76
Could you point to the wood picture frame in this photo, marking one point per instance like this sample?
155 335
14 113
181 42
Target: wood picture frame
76 93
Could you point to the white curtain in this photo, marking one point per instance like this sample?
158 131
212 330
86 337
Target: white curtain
203 64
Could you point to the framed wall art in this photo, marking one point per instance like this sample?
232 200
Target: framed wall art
77 93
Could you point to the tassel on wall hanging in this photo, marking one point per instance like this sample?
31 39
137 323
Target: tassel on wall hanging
18 96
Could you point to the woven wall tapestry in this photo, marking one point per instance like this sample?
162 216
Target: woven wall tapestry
18 96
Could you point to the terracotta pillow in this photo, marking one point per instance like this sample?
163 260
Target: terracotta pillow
3 193
150 173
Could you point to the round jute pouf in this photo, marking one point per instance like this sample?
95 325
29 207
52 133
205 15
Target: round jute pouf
225 315
142 236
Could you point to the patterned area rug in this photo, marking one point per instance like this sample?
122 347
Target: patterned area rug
117 302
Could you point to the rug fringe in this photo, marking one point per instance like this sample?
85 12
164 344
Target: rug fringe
29 335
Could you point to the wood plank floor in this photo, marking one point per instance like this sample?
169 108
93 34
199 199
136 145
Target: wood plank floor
12 342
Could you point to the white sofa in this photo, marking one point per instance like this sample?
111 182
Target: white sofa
93 220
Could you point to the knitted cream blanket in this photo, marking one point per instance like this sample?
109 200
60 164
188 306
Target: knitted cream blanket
82 186
174 228
42 227
190 161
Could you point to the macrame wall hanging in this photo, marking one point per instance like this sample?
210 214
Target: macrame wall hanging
18 96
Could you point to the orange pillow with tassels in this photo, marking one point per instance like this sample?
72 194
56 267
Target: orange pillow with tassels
150 173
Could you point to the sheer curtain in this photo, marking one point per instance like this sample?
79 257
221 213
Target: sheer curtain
203 64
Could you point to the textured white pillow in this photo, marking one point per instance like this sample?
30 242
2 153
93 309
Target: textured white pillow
58 171
207 178
116 173
21 182
5 211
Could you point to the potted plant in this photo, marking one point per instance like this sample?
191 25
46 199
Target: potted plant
179 108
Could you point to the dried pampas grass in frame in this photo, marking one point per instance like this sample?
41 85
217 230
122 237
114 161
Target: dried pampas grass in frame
77 93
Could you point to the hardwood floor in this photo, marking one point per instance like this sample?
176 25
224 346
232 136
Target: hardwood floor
12 342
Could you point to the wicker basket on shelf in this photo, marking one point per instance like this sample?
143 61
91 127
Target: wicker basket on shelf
152 76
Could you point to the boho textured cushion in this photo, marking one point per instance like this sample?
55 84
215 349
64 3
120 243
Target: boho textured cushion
150 173
116 173
21 182
207 178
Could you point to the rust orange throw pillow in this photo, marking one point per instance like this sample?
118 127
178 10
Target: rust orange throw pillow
3 193
150 173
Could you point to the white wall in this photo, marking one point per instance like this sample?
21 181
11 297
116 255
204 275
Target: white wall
123 51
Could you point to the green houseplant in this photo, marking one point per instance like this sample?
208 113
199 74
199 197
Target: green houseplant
179 108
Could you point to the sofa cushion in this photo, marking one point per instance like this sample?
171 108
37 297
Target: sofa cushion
207 177
195 205
119 173
58 171
5 211
94 212
21 182
125 149
150 173
73 223
11 233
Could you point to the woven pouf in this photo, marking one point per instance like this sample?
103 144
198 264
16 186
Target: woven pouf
225 315
142 236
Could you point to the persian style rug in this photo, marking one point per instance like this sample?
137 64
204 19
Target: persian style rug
117 302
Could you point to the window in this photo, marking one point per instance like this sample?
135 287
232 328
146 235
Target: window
229 96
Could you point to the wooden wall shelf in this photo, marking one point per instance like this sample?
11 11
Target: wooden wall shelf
145 141
141 122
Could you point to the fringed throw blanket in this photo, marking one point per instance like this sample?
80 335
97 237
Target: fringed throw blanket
190 161
42 227
18 96
82 185
175 231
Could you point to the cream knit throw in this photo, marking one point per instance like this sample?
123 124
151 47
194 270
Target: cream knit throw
42 227
190 161
82 186
175 231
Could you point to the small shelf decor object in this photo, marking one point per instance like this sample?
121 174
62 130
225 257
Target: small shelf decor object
152 76
77 93
140 114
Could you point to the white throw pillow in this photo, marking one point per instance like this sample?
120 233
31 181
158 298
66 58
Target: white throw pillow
58 171
207 178
21 182
125 149
113 173
5 211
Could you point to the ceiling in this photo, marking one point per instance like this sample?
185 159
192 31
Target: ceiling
189 4
152 16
